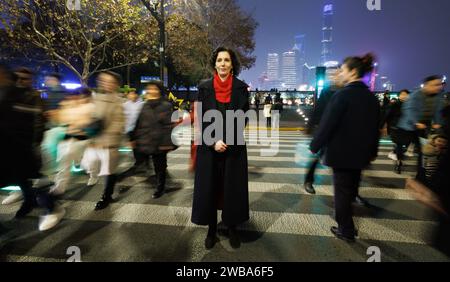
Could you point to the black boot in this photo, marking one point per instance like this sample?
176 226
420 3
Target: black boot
107 195
211 238
160 184
26 208
309 188
235 241
361 201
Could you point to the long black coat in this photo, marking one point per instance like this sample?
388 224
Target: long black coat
235 198
153 127
21 131
348 132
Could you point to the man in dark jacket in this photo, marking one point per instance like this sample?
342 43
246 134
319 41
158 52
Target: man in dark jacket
152 134
316 117
349 135
21 127
390 119
421 114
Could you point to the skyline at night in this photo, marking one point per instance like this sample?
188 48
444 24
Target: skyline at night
410 38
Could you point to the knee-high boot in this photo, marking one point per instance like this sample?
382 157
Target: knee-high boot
110 182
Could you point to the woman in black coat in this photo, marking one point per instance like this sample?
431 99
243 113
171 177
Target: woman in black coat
152 134
221 172
349 134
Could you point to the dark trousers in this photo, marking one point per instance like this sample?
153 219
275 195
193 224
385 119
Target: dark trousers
346 184
160 165
399 151
219 176
420 176
402 139
269 122
110 183
36 195
312 169
140 158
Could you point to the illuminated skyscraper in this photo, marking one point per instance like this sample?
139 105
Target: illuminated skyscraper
289 70
327 33
273 70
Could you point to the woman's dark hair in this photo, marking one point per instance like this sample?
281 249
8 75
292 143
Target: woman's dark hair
432 77
363 65
55 75
158 84
234 59
117 77
404 90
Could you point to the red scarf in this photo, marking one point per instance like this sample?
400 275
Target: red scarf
223 88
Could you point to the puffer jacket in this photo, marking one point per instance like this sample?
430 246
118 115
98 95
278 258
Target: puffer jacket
152 133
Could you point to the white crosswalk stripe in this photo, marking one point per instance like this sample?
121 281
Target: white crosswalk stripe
402 229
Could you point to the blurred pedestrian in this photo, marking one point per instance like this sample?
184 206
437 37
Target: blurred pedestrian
75 114
349 135
53 95
101 158
132 110
268 113
151 136
276 113
400 138
334 85
422 114
22 127
322 103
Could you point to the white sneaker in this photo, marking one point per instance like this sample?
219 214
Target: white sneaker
12 198
409 154
49 221
57 190
92 181
392 156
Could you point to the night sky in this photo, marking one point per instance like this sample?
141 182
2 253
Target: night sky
411 38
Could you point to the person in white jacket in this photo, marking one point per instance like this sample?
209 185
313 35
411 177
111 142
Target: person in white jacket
268 113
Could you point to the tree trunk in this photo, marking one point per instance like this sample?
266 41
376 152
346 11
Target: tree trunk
84 81
128 75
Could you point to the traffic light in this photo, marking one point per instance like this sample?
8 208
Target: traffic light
320 82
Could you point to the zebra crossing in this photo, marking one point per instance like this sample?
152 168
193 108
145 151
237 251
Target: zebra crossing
286 223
